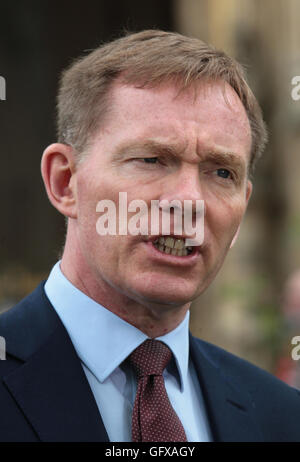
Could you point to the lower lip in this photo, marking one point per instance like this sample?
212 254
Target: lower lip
188 260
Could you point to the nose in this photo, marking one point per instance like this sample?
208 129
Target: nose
185 192
185 185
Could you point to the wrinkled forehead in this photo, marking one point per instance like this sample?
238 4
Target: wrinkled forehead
208 109
172 95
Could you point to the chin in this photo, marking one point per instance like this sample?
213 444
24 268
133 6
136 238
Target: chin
173 294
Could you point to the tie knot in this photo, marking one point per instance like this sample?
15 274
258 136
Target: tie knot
150 358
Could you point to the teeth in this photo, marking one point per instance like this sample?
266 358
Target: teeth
169 242
172 246
179 244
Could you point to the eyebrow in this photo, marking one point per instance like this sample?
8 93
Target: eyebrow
160 148
228 159
215 156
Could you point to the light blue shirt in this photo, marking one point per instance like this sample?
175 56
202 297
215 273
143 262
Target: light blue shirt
103 341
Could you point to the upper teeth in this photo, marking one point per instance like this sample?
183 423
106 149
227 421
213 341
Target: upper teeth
172 243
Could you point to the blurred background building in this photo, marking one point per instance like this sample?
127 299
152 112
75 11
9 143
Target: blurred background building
243 309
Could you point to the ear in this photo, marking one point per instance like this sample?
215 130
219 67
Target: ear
248 195
59 172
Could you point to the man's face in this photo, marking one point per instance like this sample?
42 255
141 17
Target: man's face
198 144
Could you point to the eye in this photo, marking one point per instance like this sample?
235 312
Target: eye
223 173
150 160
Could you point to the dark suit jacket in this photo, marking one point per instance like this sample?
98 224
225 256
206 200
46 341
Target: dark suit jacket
45 396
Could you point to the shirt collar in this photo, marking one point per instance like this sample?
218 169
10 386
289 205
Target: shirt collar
101 339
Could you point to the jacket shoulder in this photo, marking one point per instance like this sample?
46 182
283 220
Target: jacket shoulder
28 324
275 404
235 367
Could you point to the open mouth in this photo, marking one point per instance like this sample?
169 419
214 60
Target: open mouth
172 246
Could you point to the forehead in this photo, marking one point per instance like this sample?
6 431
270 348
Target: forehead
207 113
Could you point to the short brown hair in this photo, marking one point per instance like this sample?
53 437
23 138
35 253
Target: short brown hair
146 59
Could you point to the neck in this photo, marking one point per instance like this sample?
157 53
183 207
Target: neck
152 318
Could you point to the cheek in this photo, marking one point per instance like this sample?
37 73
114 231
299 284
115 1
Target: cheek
85 195
89 193
222 219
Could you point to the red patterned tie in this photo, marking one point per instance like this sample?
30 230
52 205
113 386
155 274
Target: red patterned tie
153 418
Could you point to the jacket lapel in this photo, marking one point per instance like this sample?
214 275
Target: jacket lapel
230 410
50 386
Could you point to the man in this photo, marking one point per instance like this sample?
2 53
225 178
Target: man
101 351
